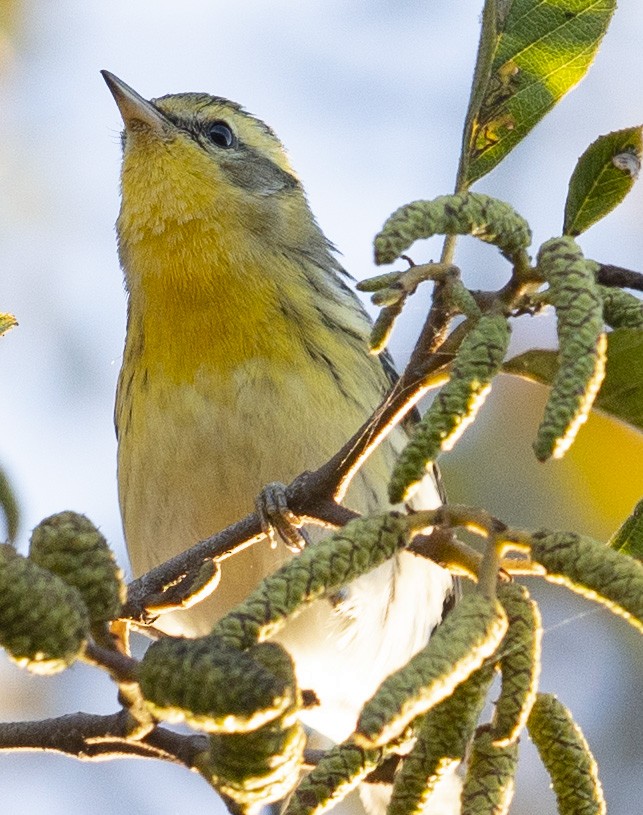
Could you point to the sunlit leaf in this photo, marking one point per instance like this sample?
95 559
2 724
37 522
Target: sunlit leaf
621 395
603 176
543 48
7 321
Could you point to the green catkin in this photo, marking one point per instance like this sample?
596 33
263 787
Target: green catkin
582 344
490 780
461 299
441 744
211 685
467 213
69 545
357 548
388 297
256 768
519 663
593 570
567 758
339 771
383 326
43 621
382 281
621 309
470 634
455 406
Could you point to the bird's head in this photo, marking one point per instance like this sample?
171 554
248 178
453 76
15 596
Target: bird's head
192 156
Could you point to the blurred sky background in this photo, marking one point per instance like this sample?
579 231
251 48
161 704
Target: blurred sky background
369 98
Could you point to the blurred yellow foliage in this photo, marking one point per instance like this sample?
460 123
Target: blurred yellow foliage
10 16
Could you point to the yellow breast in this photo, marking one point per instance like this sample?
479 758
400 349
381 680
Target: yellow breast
227 386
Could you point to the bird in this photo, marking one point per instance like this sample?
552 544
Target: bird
246 362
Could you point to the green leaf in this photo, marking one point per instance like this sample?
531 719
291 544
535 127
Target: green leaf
7 321
628 539
603 176
621 395
9 507
543 48
8 503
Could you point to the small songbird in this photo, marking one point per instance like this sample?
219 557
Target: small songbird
246 362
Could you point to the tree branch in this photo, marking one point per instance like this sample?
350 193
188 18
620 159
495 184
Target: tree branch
121 668
90 737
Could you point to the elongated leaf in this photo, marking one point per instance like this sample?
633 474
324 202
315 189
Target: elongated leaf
492 22
628 539
603 176
621 394
543 50
9 507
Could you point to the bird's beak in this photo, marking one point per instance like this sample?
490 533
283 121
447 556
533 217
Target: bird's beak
133 108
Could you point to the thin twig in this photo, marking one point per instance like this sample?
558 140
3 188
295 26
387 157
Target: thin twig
91 737
444 548
120 667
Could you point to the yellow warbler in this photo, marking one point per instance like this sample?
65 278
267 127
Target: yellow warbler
246 363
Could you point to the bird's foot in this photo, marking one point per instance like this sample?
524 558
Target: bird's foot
278 520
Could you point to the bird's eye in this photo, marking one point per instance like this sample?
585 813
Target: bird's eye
220 134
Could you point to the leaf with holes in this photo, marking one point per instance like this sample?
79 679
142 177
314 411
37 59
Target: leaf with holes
603 176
